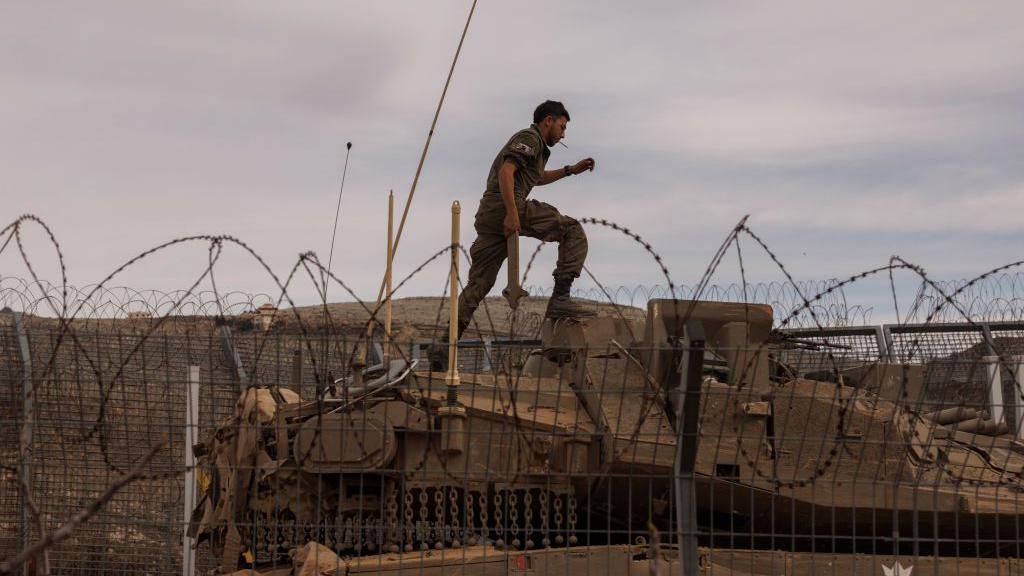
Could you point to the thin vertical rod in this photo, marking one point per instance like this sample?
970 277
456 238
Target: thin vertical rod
337 212
453 305
387 277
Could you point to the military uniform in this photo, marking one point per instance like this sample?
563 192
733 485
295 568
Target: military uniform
527 150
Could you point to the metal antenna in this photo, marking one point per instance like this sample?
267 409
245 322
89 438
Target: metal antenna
337 212
426 145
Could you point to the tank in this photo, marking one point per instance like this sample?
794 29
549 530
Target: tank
574 443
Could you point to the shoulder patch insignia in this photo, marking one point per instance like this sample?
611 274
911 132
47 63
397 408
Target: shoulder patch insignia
523 148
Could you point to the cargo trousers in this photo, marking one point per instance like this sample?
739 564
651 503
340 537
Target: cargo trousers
490 249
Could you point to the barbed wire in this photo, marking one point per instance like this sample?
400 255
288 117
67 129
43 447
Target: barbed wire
121 302
996 298
992 296
999 297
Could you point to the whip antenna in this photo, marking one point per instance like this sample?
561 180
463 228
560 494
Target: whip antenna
423 156
337 212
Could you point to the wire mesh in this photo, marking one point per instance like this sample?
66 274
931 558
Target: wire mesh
10 424
794 466
772 431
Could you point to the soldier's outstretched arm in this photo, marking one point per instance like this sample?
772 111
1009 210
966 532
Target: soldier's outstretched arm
569 170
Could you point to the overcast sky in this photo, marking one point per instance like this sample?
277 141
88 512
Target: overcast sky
850 131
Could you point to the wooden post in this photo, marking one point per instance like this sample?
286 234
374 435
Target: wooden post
452 378
387 278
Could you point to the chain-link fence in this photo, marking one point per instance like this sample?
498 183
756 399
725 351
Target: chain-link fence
830 451
775 430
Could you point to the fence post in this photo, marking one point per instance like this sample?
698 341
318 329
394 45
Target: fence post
231 355
994 372
1018 402
691 370
28 411
188 552
986 336
883 343
888 345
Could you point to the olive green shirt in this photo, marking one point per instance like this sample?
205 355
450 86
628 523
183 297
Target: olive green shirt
528 152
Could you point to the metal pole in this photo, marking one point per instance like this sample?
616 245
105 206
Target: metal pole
691 368
452 378
883 345
188 551
995 387
28 408
890 347
452 416
231 356
430 136
387 278
1018 403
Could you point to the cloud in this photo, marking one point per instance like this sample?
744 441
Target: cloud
850 132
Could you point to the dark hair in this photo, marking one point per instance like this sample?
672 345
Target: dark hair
549 108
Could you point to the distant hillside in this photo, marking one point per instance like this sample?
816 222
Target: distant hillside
418 317
412 318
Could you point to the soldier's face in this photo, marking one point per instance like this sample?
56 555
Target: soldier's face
555 129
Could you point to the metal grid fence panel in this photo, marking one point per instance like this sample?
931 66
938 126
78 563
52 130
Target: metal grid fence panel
1008 343
10 425
139 385
954 373
793 467
823 351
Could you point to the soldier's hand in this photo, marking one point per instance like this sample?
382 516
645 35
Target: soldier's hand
583 165
511 223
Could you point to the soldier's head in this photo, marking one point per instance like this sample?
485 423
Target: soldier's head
551 118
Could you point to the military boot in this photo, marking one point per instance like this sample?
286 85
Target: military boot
560 305
563 306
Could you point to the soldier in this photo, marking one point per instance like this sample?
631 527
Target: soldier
504 209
